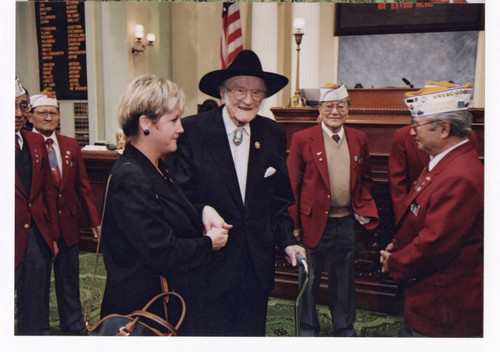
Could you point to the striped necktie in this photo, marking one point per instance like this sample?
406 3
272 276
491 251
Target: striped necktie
54 166
18 145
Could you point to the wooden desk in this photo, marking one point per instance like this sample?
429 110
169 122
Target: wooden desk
98 165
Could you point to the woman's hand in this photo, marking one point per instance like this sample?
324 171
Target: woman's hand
219 237
215 227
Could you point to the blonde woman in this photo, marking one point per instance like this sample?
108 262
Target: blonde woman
150 228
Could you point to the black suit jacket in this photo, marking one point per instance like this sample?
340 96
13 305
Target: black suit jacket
204 167
149 229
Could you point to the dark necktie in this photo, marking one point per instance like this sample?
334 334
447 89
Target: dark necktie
54 166
336 138
18 145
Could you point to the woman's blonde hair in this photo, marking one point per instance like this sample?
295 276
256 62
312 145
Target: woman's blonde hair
150 96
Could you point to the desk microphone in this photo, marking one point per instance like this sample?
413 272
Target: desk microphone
407 82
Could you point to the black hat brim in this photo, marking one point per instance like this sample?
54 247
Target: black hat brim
210 83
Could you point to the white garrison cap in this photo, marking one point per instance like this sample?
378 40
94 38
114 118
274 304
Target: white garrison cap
19 88
438 97
43 100
334 92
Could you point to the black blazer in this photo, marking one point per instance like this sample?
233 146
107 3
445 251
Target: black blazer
204 167
149 229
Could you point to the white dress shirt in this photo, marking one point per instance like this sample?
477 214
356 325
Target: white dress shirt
330 133
240 152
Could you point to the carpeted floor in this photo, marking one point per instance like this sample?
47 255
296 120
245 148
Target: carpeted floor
280 320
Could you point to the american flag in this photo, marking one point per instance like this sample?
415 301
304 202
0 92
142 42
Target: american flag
232 39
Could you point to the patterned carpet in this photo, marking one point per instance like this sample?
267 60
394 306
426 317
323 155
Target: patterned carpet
280 320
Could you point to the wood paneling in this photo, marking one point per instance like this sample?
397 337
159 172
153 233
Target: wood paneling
98 165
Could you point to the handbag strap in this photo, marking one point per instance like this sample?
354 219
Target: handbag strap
168 294
164 288
138 314
89 302
163 294
143 313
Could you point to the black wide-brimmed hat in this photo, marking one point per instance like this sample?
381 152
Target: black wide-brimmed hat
246 63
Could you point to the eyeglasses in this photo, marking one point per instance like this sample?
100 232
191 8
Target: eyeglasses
25 107
241 93
44 114
414 125
330 106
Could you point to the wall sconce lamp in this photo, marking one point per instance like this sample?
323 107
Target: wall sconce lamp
139 46
297 101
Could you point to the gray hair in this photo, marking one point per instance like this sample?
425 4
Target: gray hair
150 96
460 122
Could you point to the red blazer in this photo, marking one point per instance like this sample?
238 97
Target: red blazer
40 204
438 247
311 186
74 187
406 162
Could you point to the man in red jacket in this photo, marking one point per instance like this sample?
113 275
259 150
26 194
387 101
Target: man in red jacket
406 162
36 230
329 166
71 185
436 253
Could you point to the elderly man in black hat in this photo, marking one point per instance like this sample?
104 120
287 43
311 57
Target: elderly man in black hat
235 160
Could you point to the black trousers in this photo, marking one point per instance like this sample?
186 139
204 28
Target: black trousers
242 310
67 278
336 248
32 285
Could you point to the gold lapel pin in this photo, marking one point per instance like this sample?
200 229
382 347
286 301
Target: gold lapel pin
257 145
